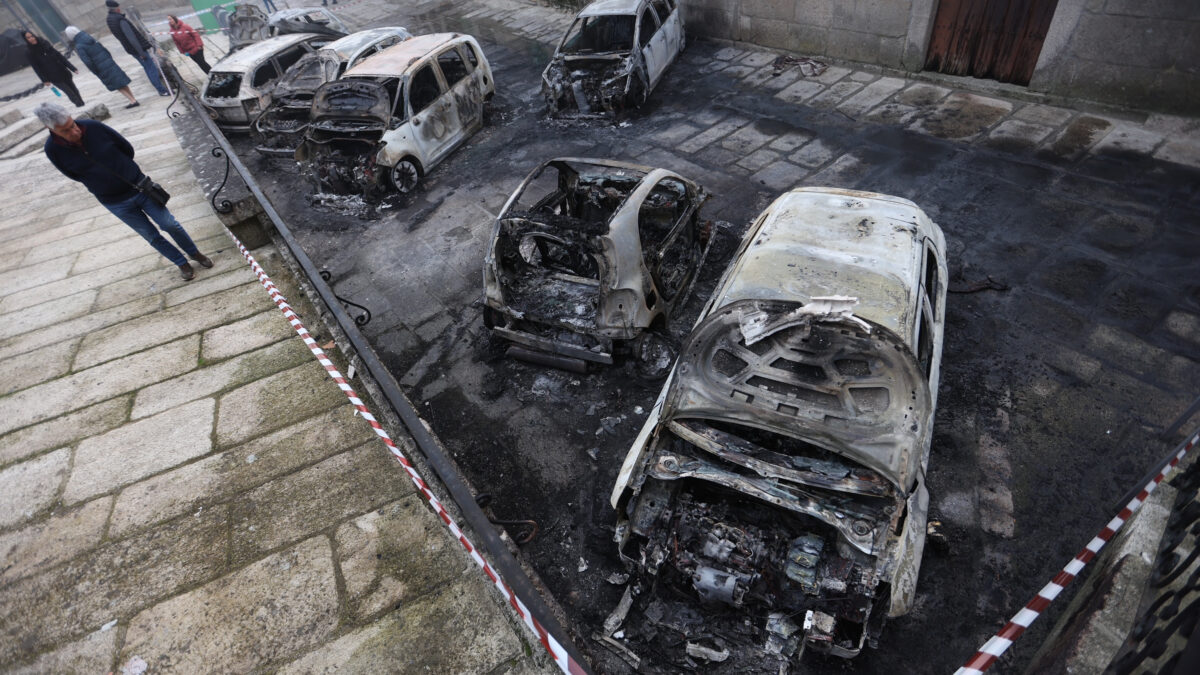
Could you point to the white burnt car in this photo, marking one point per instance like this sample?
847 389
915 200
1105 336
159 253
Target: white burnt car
393 117
280 128
234 89
777 489
613 56
591 256
305 20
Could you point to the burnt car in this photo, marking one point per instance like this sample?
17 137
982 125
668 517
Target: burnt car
280 128
775 500
612 56
234 89
306 20
393 117
591 256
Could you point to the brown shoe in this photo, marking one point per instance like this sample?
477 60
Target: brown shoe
186 272
204 260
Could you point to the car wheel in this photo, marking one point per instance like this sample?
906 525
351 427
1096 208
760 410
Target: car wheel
654 353
405 175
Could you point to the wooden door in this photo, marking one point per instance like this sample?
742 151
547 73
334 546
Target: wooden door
992 39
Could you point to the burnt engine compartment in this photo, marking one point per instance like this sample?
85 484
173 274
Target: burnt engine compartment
592 86
280 129
340 156
723 579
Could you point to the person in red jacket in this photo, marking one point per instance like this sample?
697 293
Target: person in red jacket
188 41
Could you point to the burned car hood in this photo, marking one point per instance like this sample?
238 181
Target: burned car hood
843 384
352 99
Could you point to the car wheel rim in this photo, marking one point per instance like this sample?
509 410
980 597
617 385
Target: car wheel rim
654 355
404 176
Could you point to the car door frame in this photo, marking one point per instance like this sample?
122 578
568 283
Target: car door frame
677 228
654 53
432 146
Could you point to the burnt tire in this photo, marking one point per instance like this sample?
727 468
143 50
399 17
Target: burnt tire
405 175
653 354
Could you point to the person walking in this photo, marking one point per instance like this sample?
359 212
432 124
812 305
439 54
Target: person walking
135 44
188 42
96 58
51 67
96 155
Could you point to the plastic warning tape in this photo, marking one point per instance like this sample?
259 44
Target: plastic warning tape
202 31
1001 641
552 645
181 17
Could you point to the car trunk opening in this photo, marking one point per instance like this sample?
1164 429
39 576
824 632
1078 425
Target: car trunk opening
223 85
552 250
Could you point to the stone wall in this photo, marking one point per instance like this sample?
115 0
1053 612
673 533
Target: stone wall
891 33
90 14
1143 54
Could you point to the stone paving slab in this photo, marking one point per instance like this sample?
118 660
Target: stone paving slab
181 484
232 624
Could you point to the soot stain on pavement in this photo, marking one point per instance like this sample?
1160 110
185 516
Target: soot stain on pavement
1003 350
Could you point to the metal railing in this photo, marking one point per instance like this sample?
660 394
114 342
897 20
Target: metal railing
503 560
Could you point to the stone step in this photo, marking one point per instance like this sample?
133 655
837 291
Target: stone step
9 117
19 132
32 138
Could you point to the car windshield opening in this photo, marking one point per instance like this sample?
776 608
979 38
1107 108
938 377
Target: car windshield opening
599 34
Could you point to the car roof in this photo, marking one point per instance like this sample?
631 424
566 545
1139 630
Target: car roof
347 46
395 60
602 7
251 55
290 12
815 242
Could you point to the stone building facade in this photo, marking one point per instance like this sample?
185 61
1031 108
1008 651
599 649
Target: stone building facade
1142 54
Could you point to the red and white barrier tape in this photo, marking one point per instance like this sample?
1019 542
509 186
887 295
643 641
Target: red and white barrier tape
1001 641
563 660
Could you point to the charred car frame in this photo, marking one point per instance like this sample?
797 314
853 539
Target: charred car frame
393 117
591 256
613 56
280 128
775 499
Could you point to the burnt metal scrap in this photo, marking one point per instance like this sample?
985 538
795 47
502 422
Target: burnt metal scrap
280 128
590 258
612 56
774 502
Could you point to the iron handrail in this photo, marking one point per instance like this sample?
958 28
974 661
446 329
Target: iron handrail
502 558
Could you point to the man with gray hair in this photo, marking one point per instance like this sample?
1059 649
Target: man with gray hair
102 159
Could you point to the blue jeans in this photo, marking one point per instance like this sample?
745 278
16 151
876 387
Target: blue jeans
133 212
270 5
152 72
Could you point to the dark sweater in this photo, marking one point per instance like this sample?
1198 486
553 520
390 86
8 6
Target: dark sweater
135 44
103 161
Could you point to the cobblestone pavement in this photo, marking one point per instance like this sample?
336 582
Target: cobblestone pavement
180 482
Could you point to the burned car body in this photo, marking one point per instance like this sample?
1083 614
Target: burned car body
393 117
777 490
590 255
234 90
318 20
280 128
613 56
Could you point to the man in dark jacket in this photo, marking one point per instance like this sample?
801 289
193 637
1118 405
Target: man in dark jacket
97 156
135 44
